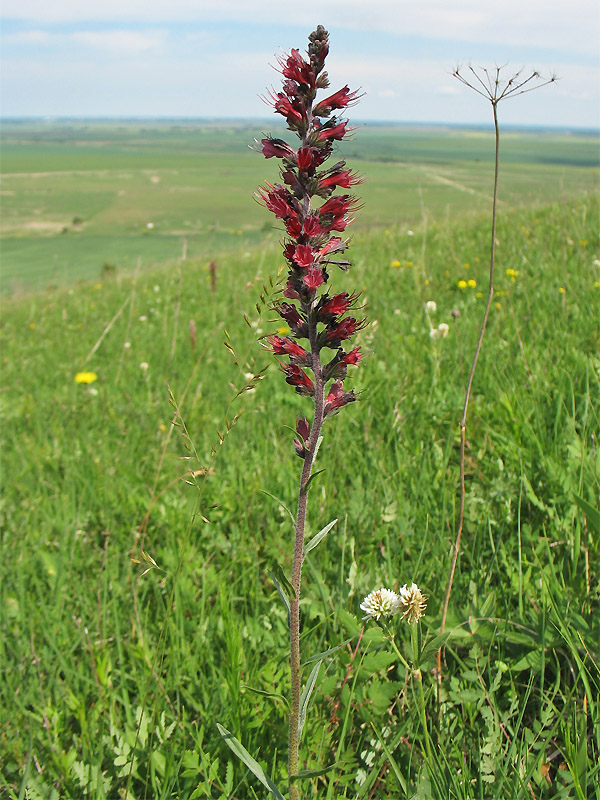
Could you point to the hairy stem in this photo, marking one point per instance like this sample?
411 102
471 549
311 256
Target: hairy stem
294 735
463 420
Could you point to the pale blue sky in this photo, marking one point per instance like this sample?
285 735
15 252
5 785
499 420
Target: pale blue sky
191 58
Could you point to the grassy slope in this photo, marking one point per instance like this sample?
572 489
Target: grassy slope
93 651
193 183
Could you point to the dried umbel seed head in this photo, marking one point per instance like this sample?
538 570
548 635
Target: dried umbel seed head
312 215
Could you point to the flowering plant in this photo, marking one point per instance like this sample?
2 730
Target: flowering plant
313 215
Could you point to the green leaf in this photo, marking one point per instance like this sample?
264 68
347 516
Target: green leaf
313 773
263 693
322 656
592 514
311 479
255 768
282 504
305 697
318 537
282 584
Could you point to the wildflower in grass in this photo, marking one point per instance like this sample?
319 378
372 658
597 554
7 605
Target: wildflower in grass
462 284
380 603
443 329
512 273
410 603
431 306
313 216
85 377
562 290
471 283
396 263
144 366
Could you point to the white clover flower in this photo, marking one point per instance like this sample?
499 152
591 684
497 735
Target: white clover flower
368 756
409 233
431 306
434 333
127 345
143 318
144 366
380 603
411 603
361 776
443 329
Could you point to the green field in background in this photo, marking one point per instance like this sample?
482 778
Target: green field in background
77 196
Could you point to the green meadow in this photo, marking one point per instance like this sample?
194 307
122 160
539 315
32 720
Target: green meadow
144 512
76 197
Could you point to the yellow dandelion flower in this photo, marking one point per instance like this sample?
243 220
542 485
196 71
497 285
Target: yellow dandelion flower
471 283
97 286
498 306
162 427
85 377
396 263
478 294
562 290
32 325
596 284
466 265
462 284
583 242
426 281
409 263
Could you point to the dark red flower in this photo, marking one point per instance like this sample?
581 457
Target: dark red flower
344 178
296 69
341 99
335 306
334 245
283 345
278 148
303 428
290 314
312 226
303 256
277 199
305 158
353 357
313 278
298 378
336 132
344 329
337 398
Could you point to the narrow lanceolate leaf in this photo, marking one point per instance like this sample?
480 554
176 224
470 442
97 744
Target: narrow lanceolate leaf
304 699
592 514
322 656
318 537
272 695
311 479
314 773
281 503
240 751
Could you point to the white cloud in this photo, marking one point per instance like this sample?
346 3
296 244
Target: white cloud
123 41
546 23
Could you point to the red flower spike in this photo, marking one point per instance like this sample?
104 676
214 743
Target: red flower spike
305 201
